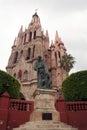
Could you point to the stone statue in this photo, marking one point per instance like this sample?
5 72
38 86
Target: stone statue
44 81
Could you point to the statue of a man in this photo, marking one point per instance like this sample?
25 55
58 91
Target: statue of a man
43 78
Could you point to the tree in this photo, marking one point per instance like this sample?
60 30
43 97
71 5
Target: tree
74 87
67 62
9 84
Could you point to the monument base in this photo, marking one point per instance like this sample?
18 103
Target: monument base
44 106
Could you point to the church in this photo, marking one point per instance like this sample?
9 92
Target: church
28 45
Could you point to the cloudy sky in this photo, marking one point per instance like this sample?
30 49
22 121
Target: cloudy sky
68 17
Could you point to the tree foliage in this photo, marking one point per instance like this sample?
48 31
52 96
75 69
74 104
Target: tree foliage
67 62
74 87
9 84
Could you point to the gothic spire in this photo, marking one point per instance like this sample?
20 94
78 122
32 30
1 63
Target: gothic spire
57 38
21 30
35 21
47 35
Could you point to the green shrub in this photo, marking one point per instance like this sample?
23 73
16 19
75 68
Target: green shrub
9 84
74 87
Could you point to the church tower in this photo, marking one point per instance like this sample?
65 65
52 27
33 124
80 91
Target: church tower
28 45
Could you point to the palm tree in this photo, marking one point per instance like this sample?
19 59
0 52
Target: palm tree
67 62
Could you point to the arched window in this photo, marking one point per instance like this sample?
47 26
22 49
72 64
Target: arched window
33 51
20 74
28 54
25 75
25 37
16 56
30 36
56 57
34 35
21 53
59 54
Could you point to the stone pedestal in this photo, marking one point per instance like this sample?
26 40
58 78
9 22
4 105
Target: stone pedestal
44 106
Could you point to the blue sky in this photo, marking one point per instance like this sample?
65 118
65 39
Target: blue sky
68 17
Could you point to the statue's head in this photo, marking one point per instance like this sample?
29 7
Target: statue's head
39 58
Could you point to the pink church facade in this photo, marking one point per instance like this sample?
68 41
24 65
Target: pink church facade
28 45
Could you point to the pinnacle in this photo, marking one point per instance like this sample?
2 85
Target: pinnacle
57 38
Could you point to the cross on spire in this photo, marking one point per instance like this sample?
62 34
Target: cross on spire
36 11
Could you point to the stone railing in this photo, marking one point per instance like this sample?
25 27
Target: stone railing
21 105
76 106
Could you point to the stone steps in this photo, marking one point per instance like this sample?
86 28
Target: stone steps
45 125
